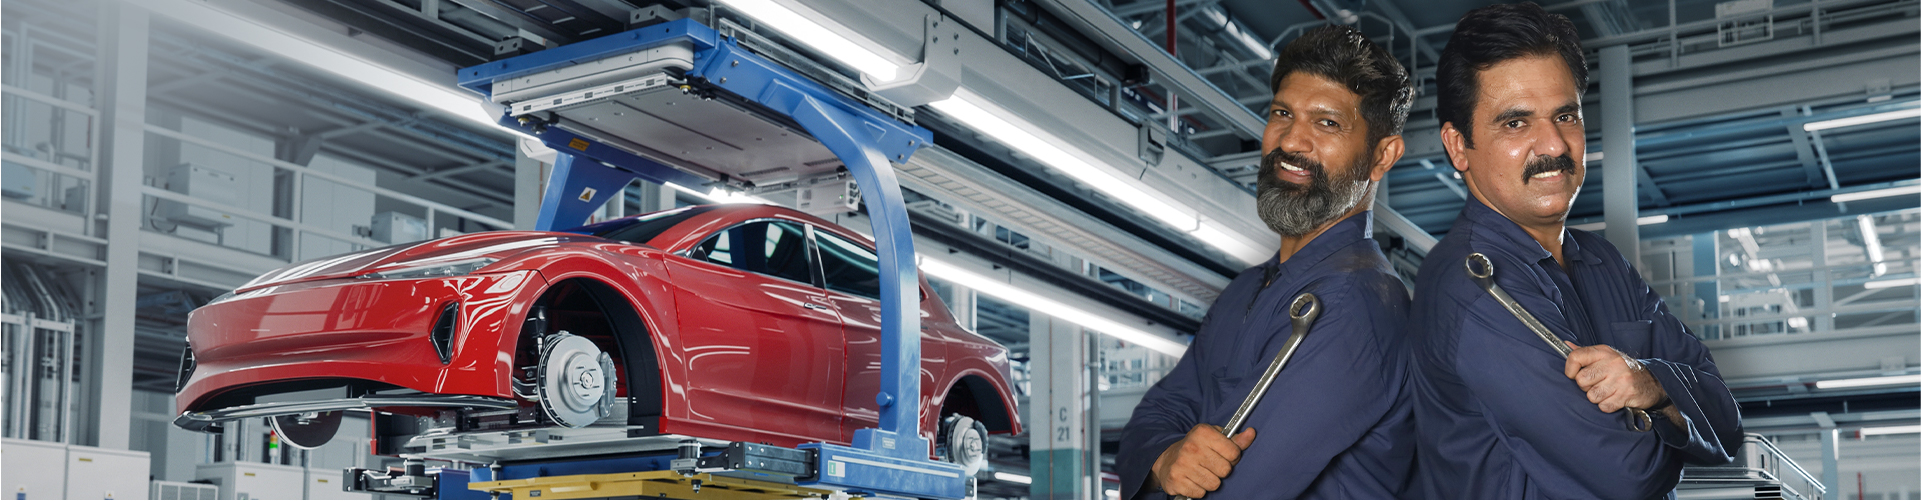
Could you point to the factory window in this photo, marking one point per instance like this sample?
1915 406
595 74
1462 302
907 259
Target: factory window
849 267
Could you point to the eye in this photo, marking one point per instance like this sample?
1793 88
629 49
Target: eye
1514 124
1568 118
1281 114
1330 123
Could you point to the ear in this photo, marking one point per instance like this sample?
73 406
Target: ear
1456 146
1388 151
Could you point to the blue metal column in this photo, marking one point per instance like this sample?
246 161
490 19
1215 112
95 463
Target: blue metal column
892 459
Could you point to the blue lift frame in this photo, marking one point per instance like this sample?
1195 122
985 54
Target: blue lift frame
891 459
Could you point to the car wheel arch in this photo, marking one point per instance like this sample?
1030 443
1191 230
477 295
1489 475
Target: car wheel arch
641 362
987 403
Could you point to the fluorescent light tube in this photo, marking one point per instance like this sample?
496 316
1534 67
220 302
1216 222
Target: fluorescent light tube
1911 189
199 14
1886 284
1004 291
720 196
1868 381
1009 477
1009 129
1890 430
827 40
1640 221
1593 156
1861 120
985 117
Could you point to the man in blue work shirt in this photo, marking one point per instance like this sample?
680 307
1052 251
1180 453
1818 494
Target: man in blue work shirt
1335 423
1500 413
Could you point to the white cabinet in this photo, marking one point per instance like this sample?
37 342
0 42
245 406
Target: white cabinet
255 480
37 469
96 473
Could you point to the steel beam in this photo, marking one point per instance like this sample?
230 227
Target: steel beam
1618 172
122 85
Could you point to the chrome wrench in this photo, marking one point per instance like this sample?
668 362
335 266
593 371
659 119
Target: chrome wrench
1485 277
1303 311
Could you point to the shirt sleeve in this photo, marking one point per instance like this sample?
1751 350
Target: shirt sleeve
1566 445
1335 388
1166 412
1712 428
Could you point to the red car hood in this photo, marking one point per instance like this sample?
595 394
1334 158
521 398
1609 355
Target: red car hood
494 244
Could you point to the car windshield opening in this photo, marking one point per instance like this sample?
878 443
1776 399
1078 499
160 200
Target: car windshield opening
641 228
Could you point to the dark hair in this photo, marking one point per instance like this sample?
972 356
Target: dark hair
1494 34
1344 55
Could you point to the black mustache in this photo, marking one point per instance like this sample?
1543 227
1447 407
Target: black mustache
1542 164
1271 163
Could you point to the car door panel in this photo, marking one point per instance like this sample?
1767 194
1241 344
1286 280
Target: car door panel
761 352
852 278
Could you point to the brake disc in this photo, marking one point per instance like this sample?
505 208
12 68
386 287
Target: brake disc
966 443
309 430
576 380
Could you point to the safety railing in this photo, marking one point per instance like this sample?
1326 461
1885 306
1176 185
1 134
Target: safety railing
1760 471
48 150
228 196
1804 285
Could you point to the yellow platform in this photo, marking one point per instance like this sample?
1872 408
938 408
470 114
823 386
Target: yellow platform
666 484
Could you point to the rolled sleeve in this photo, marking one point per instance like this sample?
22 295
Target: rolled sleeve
1544 418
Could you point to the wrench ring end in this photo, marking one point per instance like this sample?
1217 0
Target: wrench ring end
1306 306
1487 265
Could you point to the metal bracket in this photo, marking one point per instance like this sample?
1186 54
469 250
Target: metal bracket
936 75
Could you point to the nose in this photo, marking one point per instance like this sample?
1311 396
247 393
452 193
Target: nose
1291 139
1553 142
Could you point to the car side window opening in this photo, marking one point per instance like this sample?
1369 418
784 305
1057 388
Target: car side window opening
717 249
773 248
849 267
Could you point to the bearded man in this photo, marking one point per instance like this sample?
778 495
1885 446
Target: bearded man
1335 423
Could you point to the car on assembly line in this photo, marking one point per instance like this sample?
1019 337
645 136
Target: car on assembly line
740 322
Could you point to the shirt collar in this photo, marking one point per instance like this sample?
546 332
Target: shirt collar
1359 227
1506 232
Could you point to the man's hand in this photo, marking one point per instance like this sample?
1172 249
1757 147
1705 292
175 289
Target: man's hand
1612 380
1195 465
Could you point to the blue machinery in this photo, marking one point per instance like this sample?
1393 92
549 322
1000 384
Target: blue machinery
625 85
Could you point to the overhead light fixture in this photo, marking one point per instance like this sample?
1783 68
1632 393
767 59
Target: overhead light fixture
1868 381
1888 284
1640 221
938 268
1009 129
1890 430
1912 189
1861 120
1009 477
1871 240
720 196
1593 156
312 54
813 31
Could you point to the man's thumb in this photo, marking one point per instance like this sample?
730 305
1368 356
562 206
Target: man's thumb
1244 438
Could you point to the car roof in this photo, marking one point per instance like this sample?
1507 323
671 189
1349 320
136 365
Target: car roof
690 232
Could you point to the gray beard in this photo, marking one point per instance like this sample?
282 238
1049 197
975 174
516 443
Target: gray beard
1295 211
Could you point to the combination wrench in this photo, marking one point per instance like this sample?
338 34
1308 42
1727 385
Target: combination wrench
1485 277
1302 312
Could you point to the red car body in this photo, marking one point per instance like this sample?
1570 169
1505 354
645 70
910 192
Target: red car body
739 356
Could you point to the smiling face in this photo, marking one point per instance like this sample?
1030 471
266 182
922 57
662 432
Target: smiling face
1317 165
1529 142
